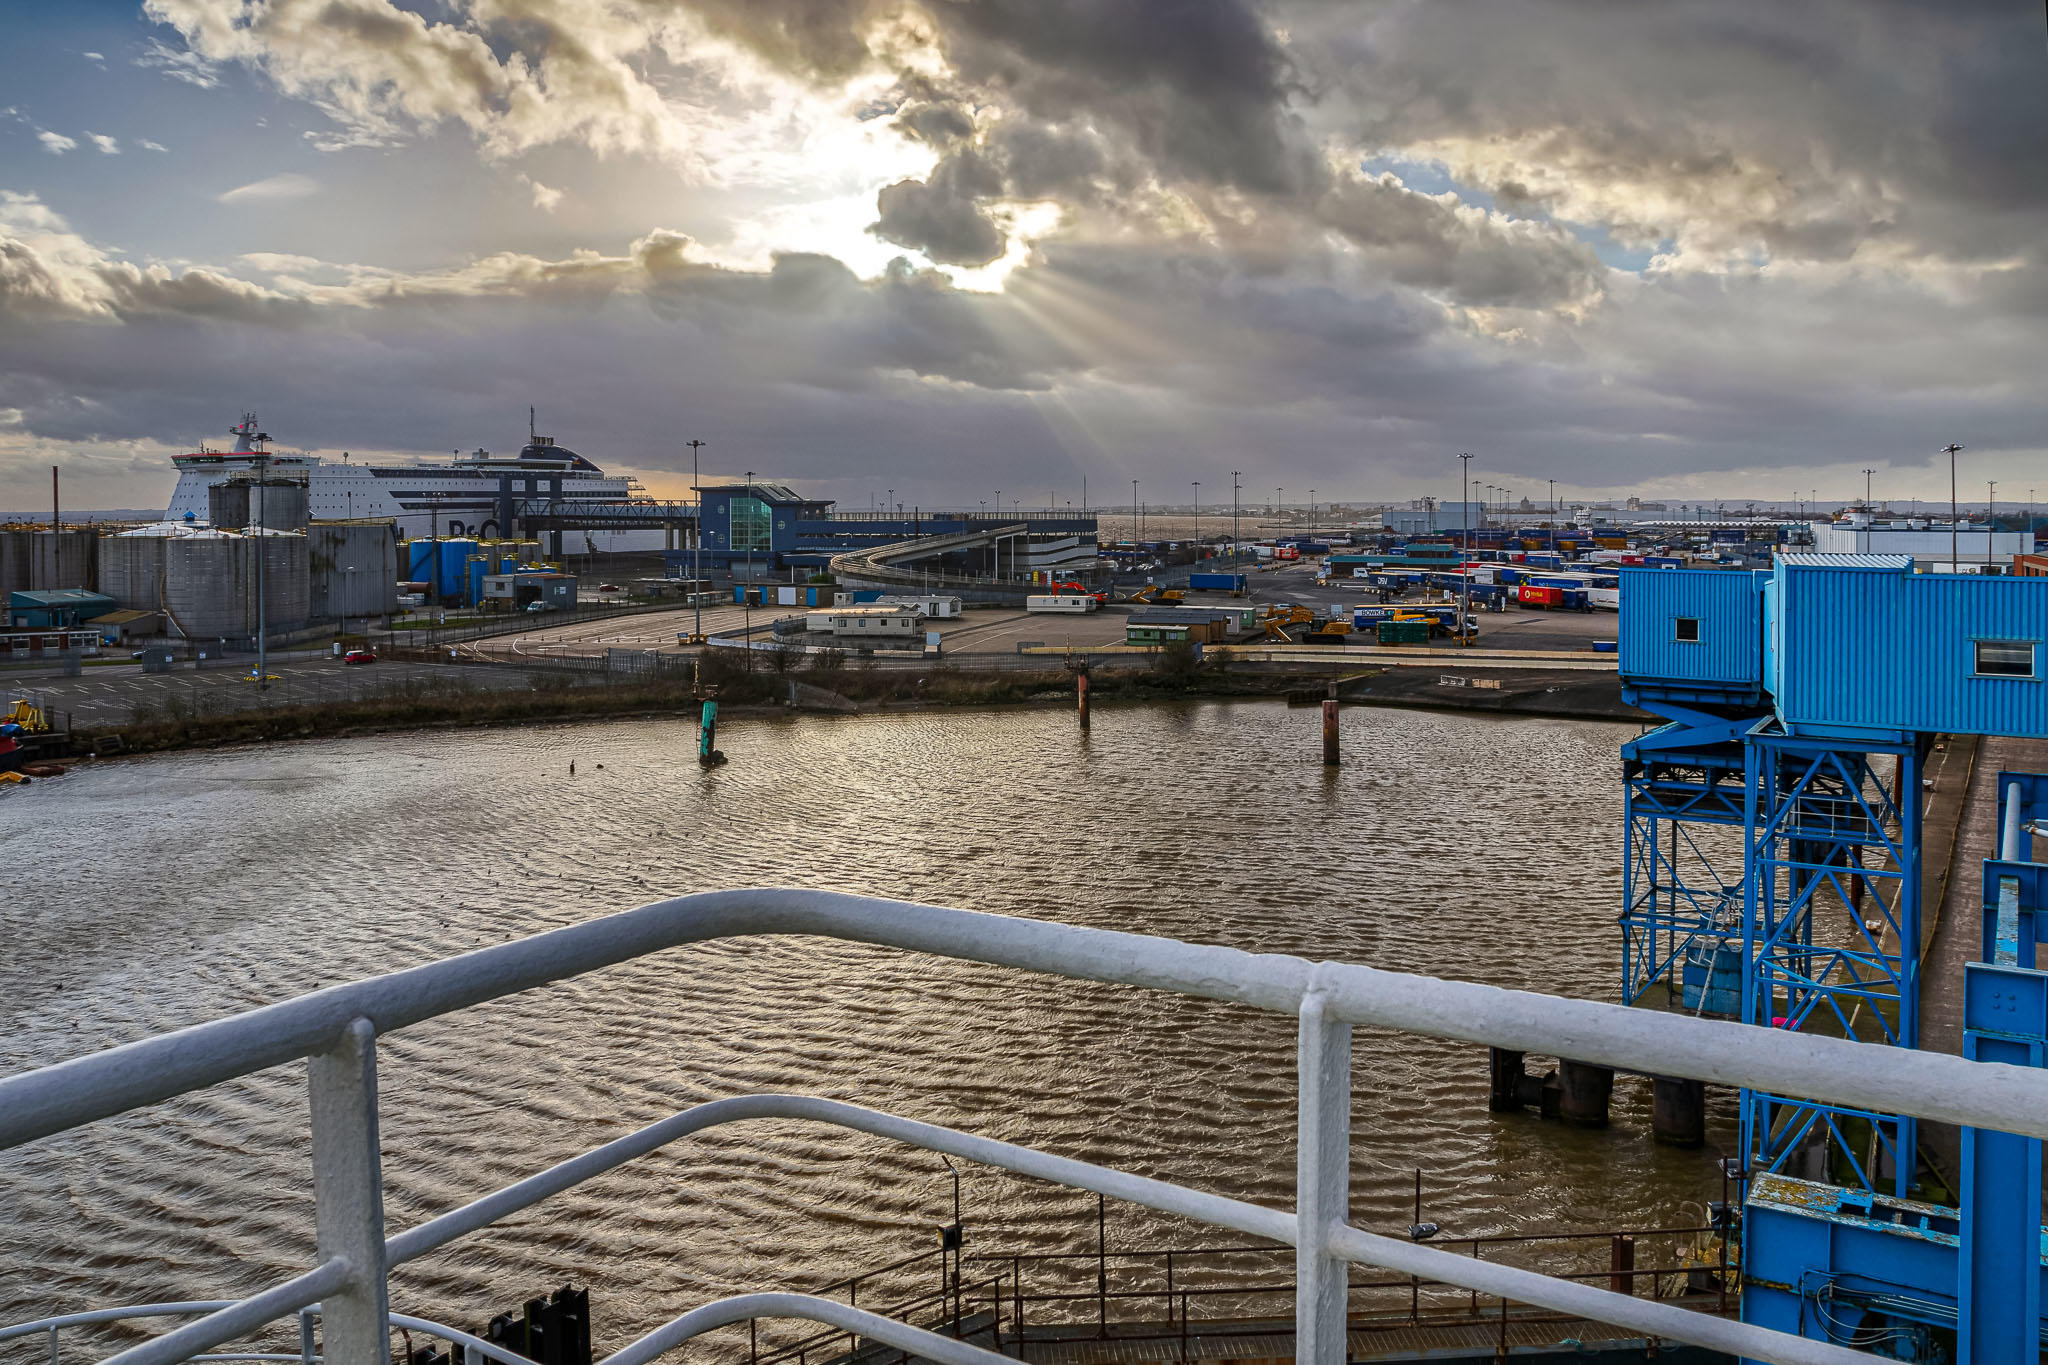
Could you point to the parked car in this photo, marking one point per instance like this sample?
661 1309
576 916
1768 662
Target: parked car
609 587
360 656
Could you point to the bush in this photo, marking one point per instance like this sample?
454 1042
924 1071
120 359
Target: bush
1176 663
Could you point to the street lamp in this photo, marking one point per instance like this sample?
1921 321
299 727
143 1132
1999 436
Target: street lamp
1990 522
1553 515
1198 521
1465 574
1950 450
697 546
1235 474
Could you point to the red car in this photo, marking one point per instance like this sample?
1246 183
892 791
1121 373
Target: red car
360 656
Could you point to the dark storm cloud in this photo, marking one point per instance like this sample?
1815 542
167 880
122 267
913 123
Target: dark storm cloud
1850 198
1464 254
942 215
1814 128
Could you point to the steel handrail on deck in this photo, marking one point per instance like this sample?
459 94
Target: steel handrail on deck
336 1030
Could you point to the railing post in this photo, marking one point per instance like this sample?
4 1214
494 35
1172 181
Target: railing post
348 1193
1322 1181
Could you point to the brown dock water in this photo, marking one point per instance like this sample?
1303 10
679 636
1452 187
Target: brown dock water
143 896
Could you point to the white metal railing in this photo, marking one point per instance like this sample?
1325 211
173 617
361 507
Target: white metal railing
336 1029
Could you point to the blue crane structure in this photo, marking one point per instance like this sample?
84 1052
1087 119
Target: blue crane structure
1772 873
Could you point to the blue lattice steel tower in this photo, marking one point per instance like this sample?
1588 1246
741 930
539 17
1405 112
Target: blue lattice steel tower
1773 872
1772 854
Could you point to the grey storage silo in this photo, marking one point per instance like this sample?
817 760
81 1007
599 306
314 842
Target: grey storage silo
274 504
210 584
354 569
131 570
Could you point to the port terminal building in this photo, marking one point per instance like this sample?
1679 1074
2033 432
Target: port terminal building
766 531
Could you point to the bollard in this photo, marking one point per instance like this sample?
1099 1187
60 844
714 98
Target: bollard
1621 1264
1584 1089
708 755
1081 695
1330 733
1678 1111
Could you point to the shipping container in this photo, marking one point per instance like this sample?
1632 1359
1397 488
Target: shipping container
1403 632
1216 582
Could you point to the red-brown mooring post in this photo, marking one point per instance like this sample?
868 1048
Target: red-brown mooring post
1330 733
1081 695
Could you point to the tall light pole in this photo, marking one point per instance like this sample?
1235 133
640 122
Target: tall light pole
1311 511
1235 475
1198 521
1950 450
1990 524
697 543
1553 515
1134 516
1465 574
1866 488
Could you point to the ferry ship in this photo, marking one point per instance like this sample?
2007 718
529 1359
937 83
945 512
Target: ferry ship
456 497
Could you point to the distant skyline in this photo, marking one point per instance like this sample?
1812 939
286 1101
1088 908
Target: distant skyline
1663 250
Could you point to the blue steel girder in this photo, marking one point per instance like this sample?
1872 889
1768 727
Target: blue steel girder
1831 930
1673 892
1784 1126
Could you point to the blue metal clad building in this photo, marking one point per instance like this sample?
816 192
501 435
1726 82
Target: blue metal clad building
1862 645
1692 634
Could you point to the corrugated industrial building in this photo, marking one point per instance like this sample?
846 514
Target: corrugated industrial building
1856 644
520 591
55 608
1695 633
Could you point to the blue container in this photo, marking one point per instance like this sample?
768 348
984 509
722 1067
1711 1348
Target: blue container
1691 635
1216 582
1862 647
473 579
1604 646
419 561
1710 978
1662 562
451 575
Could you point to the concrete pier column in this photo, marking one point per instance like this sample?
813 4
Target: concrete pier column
1081 696
1330 756
1585 1091
1678 1111
1505 1068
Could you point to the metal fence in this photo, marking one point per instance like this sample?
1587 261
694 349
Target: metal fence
336 1031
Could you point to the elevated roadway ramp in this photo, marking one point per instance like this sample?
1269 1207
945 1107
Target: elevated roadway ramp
889 567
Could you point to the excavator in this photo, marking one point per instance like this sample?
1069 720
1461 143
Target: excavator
1152 593
1277 619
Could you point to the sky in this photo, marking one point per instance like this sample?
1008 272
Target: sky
1701 249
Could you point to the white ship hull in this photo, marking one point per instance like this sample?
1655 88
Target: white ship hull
424 500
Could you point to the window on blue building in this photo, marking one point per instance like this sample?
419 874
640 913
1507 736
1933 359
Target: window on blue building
749 519
1685 629
2005 658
